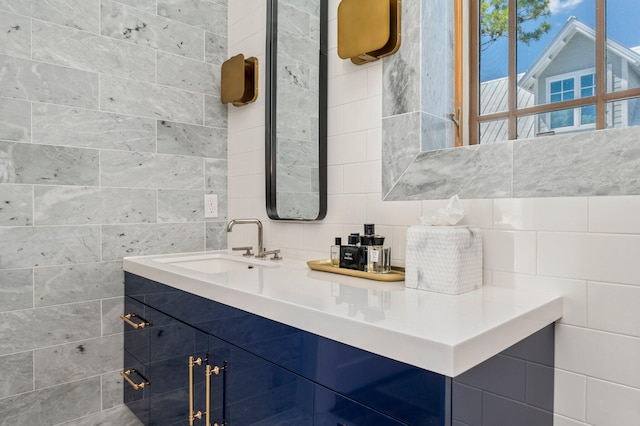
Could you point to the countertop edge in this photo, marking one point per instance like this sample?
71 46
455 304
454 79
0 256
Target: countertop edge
437 356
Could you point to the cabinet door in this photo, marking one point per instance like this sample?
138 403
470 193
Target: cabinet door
161 351
256 392
333 409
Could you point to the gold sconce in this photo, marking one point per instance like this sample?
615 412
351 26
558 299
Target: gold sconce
368 29
239 80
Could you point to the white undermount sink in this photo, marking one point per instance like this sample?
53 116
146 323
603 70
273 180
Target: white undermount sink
216 263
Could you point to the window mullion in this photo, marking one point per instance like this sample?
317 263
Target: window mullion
601 64
512 76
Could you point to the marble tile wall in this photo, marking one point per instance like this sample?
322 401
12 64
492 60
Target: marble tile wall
111 132
580 246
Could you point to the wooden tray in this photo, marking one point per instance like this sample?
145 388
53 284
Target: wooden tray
396 274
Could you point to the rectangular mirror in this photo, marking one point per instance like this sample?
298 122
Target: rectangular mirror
296 109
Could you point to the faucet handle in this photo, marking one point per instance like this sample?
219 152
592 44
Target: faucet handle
248 250
273 252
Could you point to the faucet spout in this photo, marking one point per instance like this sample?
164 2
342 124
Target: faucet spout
234 222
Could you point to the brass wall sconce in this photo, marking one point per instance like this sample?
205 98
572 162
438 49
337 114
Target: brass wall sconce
368 29
239 80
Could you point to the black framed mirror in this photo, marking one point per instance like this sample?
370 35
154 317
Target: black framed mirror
296 109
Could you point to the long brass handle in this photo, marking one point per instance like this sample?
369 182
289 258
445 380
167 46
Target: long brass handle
127 318
212 371
193 416
136 386
208 395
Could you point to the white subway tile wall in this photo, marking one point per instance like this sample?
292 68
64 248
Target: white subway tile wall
111 132
570 245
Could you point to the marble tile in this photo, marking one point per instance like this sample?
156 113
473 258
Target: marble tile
35 81
298 205
111 311
59 125
79 14
296 74
43 246
92 52
133 240
53 405
401 71
39 328
311 7
148 6
16 205
298 48
68 362
16 291
216 174
297 152
436 133
17 374
204 14
402 144
216 236
149 100
437 60
292 20
49 165
83 205
113 395
470 172
187 139
117 416
15 35
177 206
215 112
215 48
58 285
187 74
146 29
293 178
15 120
143 170
578 164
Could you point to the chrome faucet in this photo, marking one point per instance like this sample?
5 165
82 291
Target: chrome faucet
233 222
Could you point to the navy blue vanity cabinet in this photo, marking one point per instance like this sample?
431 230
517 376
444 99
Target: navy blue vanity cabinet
279 375
247 390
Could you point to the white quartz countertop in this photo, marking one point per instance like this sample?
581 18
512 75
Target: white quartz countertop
442 333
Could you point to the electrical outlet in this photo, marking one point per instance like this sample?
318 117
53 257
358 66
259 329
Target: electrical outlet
210 205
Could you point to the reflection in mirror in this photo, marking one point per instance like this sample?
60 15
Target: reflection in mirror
296 112
567 60
420 163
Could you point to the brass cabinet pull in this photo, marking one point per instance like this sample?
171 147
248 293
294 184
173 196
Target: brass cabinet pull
136 386
193 416
127 318
211 371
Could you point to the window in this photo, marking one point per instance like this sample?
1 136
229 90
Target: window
566 88
546 66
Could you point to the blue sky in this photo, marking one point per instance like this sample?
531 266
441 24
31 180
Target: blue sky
622 21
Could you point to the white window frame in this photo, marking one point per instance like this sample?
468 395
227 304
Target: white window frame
577 112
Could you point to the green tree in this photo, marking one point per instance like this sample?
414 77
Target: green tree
494 20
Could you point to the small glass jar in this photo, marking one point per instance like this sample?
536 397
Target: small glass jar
335 253
378 259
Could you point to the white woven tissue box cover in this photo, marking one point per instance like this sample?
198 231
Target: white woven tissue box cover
444 259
